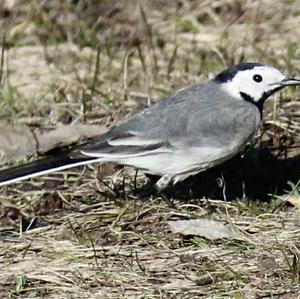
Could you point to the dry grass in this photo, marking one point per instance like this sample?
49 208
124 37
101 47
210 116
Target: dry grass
88 233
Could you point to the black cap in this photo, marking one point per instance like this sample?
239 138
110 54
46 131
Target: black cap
229 74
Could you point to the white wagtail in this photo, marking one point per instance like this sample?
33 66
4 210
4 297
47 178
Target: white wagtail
188 132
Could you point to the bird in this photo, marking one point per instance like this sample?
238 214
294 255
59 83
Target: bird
190 131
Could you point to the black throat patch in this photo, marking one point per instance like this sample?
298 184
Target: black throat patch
260 103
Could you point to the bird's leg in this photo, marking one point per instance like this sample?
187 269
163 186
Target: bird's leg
168 201
163 182
161 185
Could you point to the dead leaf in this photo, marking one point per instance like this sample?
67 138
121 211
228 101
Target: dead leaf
16 142
294 197
65 135
294 200
176 284
207 228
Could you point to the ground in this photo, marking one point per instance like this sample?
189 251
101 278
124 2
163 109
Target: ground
94 232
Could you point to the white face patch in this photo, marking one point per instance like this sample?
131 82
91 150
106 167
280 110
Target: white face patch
254 82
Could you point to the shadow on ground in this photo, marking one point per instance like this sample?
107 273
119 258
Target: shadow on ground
258 174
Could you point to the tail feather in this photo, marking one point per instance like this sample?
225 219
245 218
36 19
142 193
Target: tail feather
42 166
100 151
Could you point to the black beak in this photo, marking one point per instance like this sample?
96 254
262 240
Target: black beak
289 82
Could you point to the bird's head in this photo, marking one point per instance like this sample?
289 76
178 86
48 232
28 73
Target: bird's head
253 82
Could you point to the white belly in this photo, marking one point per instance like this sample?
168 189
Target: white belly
178 161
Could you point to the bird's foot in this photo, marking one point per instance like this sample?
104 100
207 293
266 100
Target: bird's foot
162 184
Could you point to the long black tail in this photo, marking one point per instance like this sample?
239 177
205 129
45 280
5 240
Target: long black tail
42 166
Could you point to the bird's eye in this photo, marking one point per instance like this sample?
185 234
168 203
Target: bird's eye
257 78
